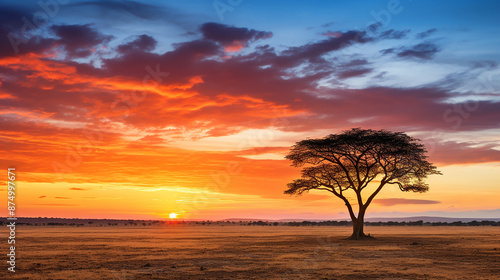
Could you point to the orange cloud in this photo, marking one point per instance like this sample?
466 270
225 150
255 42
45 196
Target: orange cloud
235 46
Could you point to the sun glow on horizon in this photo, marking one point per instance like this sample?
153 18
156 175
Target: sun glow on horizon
172 215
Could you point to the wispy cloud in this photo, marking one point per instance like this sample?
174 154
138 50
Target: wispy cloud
397 201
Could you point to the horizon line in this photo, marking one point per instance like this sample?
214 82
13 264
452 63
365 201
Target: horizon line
247 219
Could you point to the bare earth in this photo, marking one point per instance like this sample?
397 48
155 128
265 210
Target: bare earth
254 252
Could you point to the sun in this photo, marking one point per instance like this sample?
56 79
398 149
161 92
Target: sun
172 215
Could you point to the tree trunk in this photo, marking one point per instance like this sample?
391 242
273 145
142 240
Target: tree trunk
357 229
358 225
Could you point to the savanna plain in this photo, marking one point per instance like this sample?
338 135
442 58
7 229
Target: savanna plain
255 252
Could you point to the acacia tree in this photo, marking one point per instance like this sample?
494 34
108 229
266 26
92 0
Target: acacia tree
348 162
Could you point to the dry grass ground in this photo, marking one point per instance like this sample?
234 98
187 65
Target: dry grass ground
255 252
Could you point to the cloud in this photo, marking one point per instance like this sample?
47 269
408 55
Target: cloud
142 43
153 140
423 51
62 197
328 24
125 12
232 38
263 150
394 34
43 196
449 152
354 73
78 189
353 68
313 52
355 62
425 34
332 34
18 37
396 201
79 40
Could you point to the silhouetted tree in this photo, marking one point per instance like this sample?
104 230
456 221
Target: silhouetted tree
355 158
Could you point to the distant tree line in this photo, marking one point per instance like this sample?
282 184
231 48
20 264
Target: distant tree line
392 223
143 223
389 223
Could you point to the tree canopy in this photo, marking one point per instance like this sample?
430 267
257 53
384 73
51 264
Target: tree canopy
353 159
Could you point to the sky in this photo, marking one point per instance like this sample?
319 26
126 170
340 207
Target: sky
124 109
